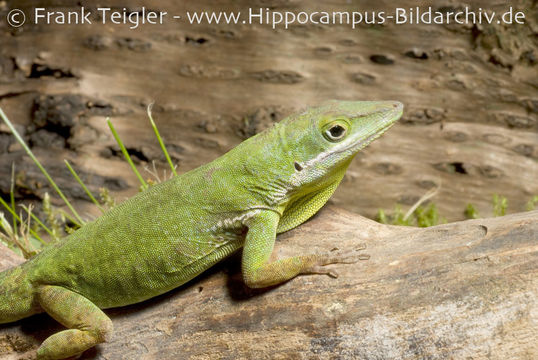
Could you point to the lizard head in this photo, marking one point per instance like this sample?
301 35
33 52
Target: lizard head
322 141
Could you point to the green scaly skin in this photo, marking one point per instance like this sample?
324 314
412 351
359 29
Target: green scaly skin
170 233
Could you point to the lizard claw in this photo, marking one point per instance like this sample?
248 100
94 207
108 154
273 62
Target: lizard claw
344 257
320 270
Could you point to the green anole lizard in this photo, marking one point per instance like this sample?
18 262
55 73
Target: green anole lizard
165 236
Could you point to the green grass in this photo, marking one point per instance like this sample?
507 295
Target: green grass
25 237
38 164
425 216
471 212
422 216
531 204
500 204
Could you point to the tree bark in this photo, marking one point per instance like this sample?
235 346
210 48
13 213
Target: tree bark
470 123
461 290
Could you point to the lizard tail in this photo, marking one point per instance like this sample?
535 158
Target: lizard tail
16 296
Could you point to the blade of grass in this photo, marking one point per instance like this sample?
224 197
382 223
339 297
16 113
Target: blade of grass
14 214
31 154
161 142
25 236
531 204
431 193
39 222
9 238
12 195
126 154
5 238
77 178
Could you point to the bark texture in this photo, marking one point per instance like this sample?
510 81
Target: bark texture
461 290
470 123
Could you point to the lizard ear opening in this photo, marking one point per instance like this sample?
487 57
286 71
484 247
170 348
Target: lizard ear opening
298 166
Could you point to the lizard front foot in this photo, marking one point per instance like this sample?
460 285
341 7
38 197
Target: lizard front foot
336 257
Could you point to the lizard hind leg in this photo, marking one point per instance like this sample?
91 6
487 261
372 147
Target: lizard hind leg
88 325
16 296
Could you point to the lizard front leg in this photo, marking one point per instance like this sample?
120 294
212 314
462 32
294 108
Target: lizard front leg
258 272
88 325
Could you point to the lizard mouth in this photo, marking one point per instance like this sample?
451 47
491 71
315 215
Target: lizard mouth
364 142
393 114
353 147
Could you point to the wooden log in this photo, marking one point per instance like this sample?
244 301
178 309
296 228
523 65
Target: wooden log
460 290
8 258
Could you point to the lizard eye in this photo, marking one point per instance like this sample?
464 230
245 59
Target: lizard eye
335 132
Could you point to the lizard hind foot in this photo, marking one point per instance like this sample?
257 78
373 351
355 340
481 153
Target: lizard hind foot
87 324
